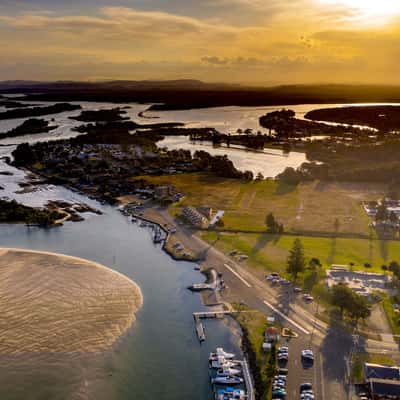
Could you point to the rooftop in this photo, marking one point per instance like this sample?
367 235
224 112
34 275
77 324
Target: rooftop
376 371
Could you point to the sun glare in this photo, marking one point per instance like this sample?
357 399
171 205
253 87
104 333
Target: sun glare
371 8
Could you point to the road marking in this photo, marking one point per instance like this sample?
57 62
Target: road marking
321 366
305 331
237 275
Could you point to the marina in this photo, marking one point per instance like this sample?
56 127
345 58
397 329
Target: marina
230 378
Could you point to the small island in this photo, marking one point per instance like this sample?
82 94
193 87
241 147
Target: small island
112 115
382 118
29 127
13 212
14 104
38 111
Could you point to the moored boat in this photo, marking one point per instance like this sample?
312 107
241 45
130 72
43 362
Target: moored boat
229 393
228 380
228 372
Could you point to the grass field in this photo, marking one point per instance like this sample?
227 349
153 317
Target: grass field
269 252
309 207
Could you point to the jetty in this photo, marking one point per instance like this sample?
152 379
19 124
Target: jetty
248 380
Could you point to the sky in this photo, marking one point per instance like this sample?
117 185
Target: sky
260 42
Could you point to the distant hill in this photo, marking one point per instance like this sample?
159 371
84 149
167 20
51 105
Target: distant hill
187 93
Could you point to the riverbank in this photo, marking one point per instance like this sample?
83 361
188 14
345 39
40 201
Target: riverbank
54 303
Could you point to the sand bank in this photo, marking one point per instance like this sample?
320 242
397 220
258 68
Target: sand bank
52 303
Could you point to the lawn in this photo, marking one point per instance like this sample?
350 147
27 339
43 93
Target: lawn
308 207
269 252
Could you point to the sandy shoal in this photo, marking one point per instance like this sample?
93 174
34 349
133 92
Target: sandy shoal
52 303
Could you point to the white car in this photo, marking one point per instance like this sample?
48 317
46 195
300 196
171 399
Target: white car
307 354
308 298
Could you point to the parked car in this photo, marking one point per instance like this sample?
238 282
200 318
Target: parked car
308 298
307 395
271 276
280 393
283 349
307 353
305 386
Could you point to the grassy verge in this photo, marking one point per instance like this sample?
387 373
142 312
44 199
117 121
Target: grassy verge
262 364
392 316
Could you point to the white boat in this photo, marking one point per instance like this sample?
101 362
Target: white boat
228 372
228 380
220 352
222 362
230 394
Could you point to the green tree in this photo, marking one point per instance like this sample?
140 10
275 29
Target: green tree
336 225
314 263
341 296
358 307
382 213
270 222
394 267
296 261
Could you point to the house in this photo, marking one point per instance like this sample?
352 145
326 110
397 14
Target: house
206 211
164 192
195 217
